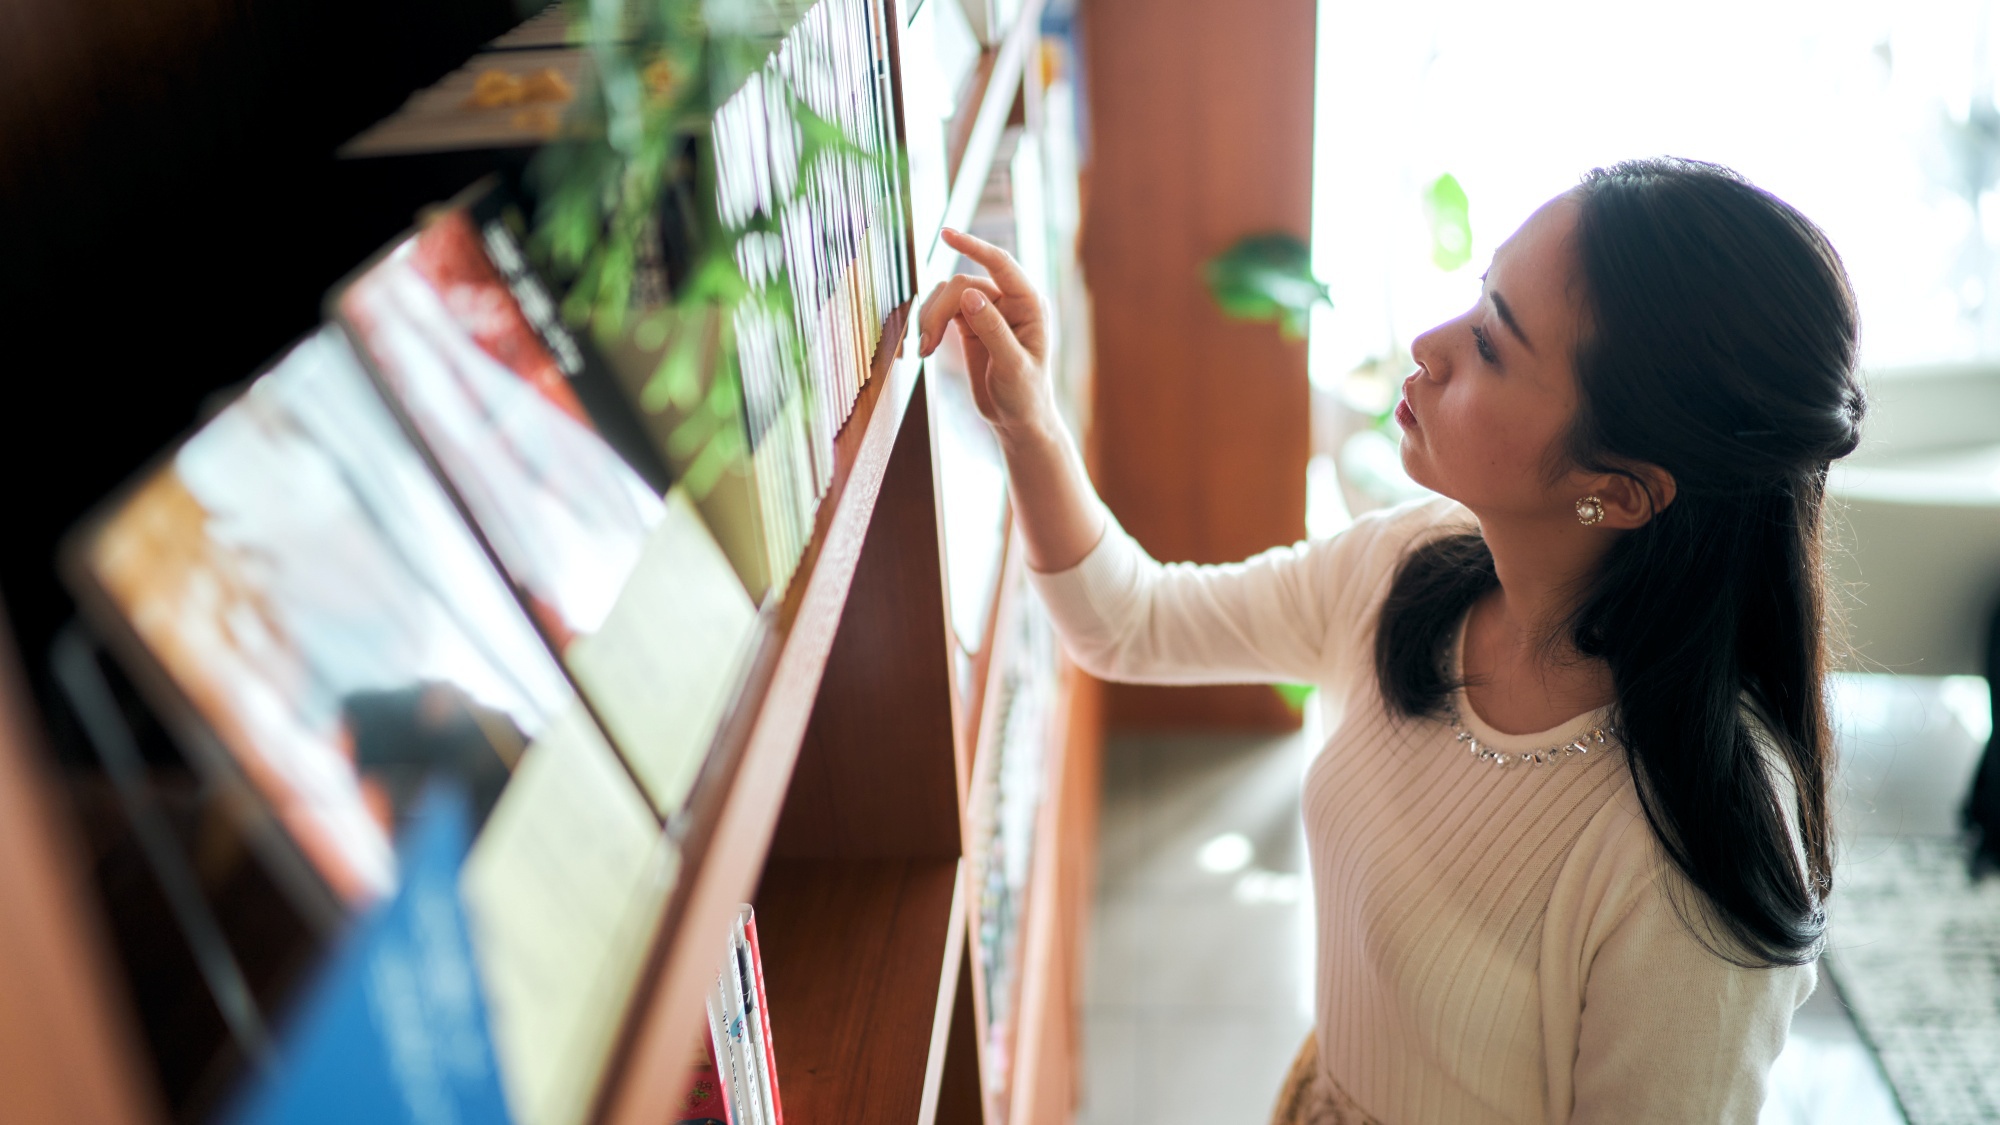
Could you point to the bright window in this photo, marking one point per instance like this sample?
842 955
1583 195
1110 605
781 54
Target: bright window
1875 119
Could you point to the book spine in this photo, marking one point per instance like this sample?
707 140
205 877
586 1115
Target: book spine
754 1022
741 1056
718 1036
763 1013
706 1101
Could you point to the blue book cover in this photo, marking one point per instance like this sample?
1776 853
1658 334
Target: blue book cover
396 1030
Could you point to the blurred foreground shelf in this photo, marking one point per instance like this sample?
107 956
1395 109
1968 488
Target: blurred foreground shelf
841 793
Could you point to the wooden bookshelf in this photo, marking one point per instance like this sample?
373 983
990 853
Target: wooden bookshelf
834 799
861 963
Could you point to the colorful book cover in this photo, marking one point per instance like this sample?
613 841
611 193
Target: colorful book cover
302 602
541 447
704 1103
395 1032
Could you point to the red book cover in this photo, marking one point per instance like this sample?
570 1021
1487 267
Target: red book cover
705 1102
763 1013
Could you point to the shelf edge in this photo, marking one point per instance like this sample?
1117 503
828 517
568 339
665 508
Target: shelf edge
996 102
721 865
1042 919
954 953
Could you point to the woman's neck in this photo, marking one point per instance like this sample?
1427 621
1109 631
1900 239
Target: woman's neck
1522 669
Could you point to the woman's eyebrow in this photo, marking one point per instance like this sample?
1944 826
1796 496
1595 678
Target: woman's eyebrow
1507 318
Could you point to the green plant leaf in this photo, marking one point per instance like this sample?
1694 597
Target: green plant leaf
1450 216
1267 277
639 131
1294 696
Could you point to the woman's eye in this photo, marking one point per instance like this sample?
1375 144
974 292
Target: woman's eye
1485 346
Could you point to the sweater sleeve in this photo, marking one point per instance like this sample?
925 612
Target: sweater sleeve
1290 614
1669 1029
1673 1033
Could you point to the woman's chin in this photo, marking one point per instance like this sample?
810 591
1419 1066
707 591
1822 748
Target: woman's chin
1410 451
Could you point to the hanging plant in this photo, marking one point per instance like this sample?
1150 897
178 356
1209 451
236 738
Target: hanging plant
634 172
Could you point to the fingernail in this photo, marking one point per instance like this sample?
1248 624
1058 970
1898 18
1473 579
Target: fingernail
975 301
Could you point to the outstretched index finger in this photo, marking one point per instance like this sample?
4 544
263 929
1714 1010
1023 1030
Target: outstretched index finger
942 305
1005 271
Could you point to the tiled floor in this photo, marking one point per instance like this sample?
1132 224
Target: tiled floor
1199 986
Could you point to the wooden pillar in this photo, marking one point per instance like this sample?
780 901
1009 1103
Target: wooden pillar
1200 134
68 1053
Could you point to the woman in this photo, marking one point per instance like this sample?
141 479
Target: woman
1569 837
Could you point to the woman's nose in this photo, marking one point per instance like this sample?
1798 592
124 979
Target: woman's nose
1428 358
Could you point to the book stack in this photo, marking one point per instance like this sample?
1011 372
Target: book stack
735 1076
818 222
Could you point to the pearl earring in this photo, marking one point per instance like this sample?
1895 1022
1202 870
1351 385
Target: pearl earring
1589 511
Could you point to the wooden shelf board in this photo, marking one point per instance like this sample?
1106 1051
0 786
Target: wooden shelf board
861 970
970 167
737 800
958 132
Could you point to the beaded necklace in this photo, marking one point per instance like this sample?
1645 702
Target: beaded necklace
1596 738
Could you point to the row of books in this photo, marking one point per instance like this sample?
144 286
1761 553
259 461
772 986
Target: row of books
820 244
735 1074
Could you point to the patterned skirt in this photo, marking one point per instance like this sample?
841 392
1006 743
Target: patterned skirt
1309 1097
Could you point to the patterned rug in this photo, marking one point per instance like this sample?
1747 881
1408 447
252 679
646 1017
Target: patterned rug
1915 949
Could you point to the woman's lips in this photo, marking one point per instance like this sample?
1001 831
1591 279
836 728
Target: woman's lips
1405 417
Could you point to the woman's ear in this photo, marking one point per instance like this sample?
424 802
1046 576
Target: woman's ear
1633 497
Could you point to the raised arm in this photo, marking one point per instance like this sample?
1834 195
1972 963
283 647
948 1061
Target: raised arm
1289 614
1006 348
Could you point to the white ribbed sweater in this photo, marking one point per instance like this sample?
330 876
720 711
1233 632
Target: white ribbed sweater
1496 944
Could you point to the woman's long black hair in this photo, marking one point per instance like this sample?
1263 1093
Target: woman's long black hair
1720 344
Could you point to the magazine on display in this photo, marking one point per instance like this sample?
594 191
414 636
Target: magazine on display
313 612
537 442
301 601
435 593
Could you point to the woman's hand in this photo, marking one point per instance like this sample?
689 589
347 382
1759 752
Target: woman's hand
1005 335
1006 348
